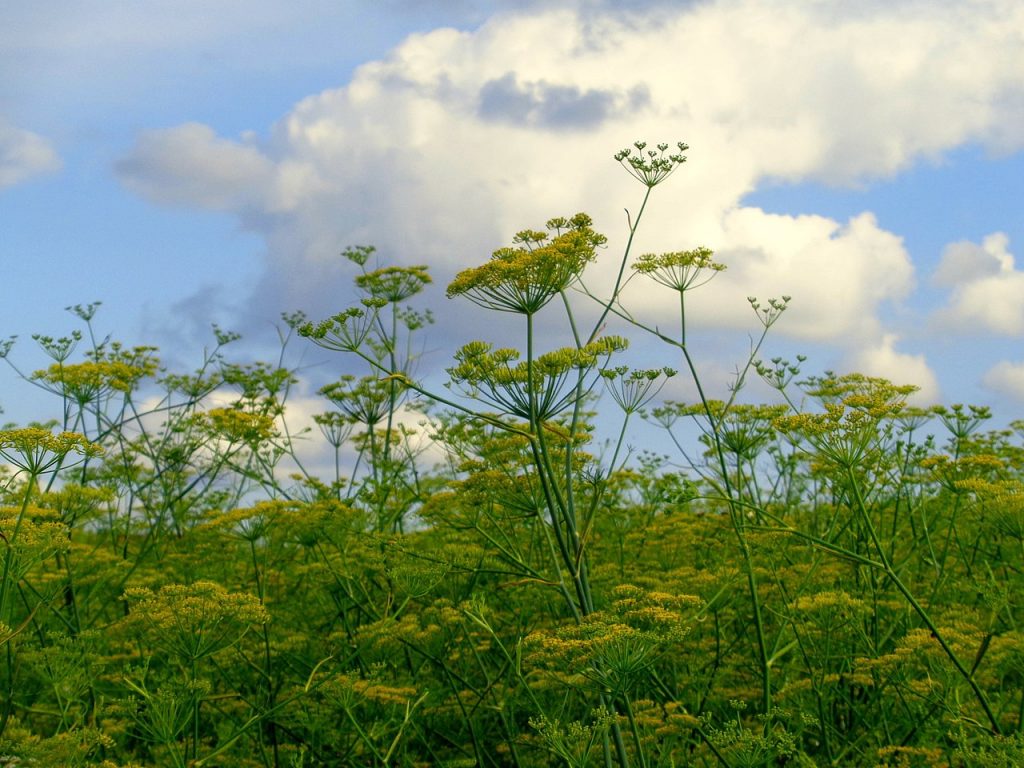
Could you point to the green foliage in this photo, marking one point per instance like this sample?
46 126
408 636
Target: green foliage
833 578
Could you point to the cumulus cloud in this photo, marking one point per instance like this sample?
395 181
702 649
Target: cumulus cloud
838 274
443 149
23 155
1006 378
188 165
987 288
883 360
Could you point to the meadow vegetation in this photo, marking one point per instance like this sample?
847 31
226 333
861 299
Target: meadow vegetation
833 579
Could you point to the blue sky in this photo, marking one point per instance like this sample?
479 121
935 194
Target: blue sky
195 161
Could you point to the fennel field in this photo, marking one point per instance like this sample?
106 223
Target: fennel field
832 579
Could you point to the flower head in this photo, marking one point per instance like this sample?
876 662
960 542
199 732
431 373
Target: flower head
523 279
632 390
651 167
35 449
679 270
394 284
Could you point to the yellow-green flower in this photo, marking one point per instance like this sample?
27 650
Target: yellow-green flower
679 270
524 279
632 390
497 377
394 284
238 426
35 449
195 620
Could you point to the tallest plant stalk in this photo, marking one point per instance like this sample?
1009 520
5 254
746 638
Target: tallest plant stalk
682 271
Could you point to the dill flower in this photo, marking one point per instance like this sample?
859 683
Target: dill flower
30 535
498 378
648 166
632 390
574 743
35 449
195 620
780 372
394 284
365 401
238 426
335 427
679 270
343 332
84 382
523 279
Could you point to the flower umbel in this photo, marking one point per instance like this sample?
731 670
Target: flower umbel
525 278
35 450
497 376
632 390
195 620
679 270
648 166
394 284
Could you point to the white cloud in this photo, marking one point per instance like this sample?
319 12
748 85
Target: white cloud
1006 378
442 150
189 165
987 288
838 275
883 360
24 154
964 261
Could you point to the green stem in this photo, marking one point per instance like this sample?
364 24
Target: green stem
918 608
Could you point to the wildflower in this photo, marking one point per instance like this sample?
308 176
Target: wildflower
59 349
394 284
858 415
573 743
831 609
524 279
358 254
335 427
960 422
679 270
648 166
84 382
767 315
364 401
499 379
632 390
343 332
195 620
36 450
781 372
29 536
238 426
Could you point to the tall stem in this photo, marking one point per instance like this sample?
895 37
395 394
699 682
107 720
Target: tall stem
734 518
918 608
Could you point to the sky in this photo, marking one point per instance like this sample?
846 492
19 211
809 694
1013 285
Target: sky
195 161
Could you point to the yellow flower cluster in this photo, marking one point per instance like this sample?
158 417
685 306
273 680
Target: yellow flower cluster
238 426
522 280
84 382
851 424
394 284
194 620
30 536
500 379
679 270
35 449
